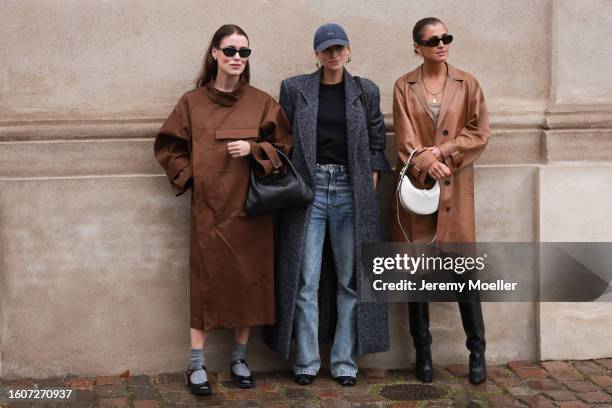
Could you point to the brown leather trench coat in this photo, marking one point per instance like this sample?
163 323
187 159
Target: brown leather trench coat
231 255
461 133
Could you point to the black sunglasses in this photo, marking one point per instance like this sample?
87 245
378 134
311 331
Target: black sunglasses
231 51
434 41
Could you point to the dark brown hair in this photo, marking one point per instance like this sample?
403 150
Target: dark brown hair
419 27
209 69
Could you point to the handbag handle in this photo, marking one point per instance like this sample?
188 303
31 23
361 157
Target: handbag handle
399 183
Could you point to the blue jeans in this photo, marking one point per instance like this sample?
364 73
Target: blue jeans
333 206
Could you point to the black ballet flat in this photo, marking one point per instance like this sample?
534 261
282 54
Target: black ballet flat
199 388
346 380
304 379
240 380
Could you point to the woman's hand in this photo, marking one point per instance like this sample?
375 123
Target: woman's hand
438 171
239 148
436 152
375 175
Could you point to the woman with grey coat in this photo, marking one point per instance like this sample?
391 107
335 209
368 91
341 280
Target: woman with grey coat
341 161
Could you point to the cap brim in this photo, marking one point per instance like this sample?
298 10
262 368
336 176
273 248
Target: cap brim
329 43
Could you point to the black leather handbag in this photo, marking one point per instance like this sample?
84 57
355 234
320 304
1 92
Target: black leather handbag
282 188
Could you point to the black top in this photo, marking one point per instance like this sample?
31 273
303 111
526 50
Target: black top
331 125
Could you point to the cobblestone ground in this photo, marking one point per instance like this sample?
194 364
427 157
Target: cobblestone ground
564 384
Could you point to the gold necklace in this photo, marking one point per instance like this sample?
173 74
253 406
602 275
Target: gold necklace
434 100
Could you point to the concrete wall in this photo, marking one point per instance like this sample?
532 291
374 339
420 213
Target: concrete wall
93 254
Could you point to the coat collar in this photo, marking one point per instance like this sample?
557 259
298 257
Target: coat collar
226 98
310 90
454 82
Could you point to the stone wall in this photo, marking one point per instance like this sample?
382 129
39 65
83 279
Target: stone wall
93 244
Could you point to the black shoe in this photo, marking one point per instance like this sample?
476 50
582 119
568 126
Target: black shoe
424 365
478 368
346 380
199 388
241 380
304 379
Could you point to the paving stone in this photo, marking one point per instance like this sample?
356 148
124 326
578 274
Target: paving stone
144 392
572 404
108 391
602 380
589 368
80 383
562 371
605 362
458 370
486 387
596 396
146 404
503 402
84 396
270 396
335 404
51 383
275 405
561 395
244 404
406 404
328 393
537 401
214 400
109 380
519 391
266 387
298 394
528 373
241 395
167 378
364 398
112 402
139 380
171 387
376 373
519 364
440 404
497 372
544 385
582 386
305 404
178 398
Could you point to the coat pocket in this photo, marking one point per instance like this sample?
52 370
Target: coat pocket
223 161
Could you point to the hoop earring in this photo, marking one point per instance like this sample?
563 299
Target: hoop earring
318 64
349 59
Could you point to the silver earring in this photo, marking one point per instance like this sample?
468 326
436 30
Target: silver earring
349 59
318 64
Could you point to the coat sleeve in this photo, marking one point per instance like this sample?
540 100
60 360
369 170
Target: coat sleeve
286 102
406 140
172 148
472 139
275 130
376 134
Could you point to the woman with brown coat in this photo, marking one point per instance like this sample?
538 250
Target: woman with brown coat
205 145
440 111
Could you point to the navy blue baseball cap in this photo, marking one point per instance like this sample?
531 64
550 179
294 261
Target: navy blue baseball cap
330 34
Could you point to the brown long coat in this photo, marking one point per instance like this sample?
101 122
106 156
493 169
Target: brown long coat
462 132
231 255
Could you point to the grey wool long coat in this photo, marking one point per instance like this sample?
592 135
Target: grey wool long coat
299 97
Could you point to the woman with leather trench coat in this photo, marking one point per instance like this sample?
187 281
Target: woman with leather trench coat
208 144
440 111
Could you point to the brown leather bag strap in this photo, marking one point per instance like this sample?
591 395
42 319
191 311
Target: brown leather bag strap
272 154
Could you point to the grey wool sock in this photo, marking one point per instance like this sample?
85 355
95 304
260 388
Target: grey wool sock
238 354
196 359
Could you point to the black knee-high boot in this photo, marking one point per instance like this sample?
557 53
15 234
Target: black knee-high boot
418 314
473 325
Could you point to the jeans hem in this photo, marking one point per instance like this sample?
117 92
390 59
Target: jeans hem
308 372
344 374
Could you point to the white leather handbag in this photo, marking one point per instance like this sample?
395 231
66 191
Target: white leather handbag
413 199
